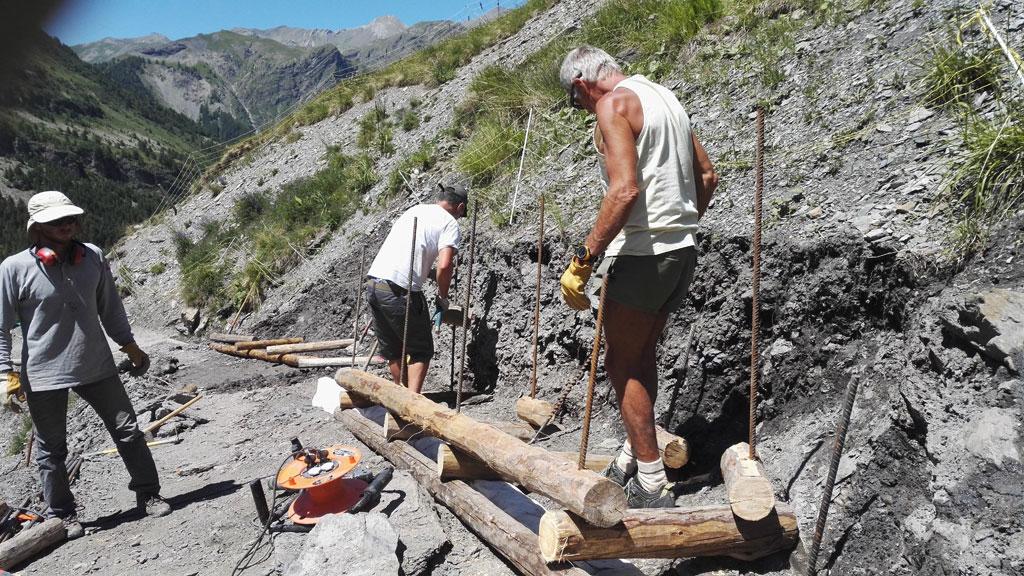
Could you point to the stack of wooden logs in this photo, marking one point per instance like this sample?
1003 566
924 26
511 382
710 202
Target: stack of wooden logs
287 350
590 520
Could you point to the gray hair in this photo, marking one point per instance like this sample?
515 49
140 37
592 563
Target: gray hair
586 62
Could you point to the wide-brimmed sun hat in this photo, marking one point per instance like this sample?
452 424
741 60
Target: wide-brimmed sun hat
49 206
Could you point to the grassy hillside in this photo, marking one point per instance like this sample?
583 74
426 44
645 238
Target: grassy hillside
68 126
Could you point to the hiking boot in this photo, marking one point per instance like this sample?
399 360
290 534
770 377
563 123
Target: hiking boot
638 497
614 473
153 505
73 527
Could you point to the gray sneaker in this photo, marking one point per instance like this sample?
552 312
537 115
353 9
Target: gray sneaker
73 527
153 505
614 473
638 497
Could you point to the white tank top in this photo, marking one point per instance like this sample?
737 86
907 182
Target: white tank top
664 217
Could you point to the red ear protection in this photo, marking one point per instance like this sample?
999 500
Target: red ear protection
50 258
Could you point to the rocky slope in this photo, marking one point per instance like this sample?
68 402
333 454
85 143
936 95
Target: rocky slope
858 281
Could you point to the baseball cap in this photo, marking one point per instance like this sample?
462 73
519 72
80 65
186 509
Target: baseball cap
455 190
49 206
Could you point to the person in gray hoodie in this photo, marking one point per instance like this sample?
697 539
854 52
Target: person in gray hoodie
62 293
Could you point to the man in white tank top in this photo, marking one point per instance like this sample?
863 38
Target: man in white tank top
658 182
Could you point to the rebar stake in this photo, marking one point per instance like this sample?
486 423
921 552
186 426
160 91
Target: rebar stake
536 307
830 482
755 320
408 300
466 310
585 434
355 319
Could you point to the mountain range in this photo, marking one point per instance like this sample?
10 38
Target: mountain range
231 81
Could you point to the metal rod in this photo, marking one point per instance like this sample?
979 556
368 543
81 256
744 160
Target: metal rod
585 434
451 364
830 482
466 309
373 351
259 499
536 300
28 446
360 280
755 320
408 301
522 157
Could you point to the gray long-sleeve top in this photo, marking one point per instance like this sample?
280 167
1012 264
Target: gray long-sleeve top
60 309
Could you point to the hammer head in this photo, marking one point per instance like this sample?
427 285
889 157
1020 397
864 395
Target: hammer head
452 316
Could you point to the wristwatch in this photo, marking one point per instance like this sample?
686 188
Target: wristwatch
583 255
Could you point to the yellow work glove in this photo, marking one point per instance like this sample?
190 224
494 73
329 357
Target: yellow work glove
140 360
13 392
573 281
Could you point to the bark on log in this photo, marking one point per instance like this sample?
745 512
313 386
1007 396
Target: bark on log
598 499
536 412
318 362
675 451
502 532
253 344
398 429
667 533
30 542
310 346
454 464
751 494
230 338
257 354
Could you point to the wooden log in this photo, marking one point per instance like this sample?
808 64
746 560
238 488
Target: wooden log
751 495
398 429
675 451
493 525
253 344
317 362
536 412
349 401
667 533
31 541
257 354
310 346
157 424
454 464
598 499
230 338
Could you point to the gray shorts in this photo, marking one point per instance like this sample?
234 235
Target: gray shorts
657 284
387 306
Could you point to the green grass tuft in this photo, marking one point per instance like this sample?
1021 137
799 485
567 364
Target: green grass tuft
492 149
955 74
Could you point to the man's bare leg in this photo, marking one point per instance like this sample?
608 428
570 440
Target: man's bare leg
417 373
632 337
395 367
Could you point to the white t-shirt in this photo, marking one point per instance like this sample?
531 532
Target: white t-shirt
435 229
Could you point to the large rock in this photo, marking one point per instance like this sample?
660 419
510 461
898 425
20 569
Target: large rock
993 324
422 541
992 436
350 544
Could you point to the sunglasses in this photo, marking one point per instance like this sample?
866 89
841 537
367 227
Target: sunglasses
67 220
572 95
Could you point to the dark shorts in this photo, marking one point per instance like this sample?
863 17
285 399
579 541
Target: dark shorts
656 284
387 305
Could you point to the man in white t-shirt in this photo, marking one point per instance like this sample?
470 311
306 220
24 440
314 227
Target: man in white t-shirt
437 238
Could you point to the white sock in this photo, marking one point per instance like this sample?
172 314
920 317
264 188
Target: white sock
625 460
651 475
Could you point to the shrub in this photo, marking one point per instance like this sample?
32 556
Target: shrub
956 74
158 268
249 207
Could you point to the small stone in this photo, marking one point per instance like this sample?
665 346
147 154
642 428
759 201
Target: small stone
940 497
814 213
884 128
905 208
876 234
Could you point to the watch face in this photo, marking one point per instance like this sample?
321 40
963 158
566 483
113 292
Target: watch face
582 254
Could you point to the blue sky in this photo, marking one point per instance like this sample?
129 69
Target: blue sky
80 21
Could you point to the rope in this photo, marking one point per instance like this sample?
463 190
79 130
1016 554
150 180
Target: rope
755 320
536 307
465 311
830 482
408 301
355 319
585 435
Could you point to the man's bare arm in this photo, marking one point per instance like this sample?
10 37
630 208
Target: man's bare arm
705 177
621 163
445 269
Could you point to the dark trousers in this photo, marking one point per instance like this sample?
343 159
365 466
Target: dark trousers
49 410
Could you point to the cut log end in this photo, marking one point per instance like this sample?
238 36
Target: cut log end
536 412
750 492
